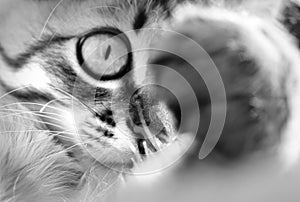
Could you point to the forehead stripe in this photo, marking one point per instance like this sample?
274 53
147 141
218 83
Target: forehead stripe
22 58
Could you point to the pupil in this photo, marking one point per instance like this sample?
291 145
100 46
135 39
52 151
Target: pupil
107 53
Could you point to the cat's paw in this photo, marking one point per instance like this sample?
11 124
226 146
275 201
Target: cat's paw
256 61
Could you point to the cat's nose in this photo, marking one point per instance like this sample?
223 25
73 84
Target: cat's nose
153 122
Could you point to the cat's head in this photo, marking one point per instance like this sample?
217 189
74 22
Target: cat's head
80 66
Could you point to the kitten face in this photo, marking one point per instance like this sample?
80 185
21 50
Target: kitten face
80 63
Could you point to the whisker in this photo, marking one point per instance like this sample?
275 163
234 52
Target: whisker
15 184
24 131
12 91
48 18
38 115
58 153
43 139
42 122
65 137
69 96
28 103
73 97
50 102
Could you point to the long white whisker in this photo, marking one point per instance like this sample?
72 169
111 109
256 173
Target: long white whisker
43 139
38 115
12 91
48 103
60 152
29 103
42 122
55 132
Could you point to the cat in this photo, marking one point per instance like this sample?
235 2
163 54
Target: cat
75 93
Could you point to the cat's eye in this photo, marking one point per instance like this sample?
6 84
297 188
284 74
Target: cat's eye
104 54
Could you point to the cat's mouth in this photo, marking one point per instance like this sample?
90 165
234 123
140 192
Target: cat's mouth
148 145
